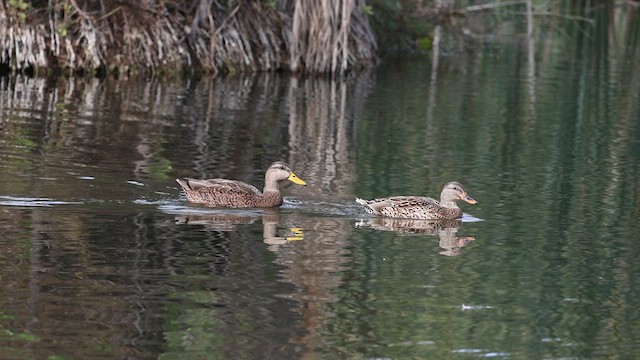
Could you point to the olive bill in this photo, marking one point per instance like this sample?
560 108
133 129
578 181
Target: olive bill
467 198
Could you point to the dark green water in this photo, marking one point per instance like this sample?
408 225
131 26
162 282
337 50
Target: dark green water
103 258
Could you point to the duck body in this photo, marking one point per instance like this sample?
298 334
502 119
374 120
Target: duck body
419 207
238 194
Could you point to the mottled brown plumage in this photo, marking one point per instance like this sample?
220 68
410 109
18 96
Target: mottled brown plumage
234 193
418 207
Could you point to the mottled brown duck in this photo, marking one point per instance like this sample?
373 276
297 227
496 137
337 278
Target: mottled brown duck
234 193
418 207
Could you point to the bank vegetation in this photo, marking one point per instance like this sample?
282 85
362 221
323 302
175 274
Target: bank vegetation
318 36
228 36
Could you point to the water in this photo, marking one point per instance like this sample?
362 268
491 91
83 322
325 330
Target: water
103 257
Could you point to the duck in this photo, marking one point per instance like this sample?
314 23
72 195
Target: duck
238 194
419 207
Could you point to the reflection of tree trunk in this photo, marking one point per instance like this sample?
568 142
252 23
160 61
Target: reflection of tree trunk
313 266
35 267
312 260
66 287
202 132
531 61
433 84
320 123
622 124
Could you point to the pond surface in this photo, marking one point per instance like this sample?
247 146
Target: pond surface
104 258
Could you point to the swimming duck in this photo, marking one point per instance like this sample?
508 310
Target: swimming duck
234 193
417 207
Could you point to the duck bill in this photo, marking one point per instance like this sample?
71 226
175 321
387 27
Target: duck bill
298 235
467 198
296 180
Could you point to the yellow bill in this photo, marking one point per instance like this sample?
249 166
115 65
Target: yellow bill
296 180
297 232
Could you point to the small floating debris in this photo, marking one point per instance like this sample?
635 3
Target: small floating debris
133 182
413 343
86 178
468 351
475 307
481 352
495 354
550 340
571 300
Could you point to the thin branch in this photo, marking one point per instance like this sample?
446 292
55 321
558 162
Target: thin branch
80 11
568 17
490 6
224 22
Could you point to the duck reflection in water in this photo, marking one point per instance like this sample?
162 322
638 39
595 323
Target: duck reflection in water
446 230
230 222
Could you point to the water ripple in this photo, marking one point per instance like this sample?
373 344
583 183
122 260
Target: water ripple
32 202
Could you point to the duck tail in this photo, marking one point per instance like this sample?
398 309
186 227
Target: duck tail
367 206
184 183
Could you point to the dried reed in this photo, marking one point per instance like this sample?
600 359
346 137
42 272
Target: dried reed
314 36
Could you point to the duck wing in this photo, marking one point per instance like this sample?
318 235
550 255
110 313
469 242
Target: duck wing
224 186
376 205
411 207
221 192
408 201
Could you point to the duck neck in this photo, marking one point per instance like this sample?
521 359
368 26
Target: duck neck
270 185
449 204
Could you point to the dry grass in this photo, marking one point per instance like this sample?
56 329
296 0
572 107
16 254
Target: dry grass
315 36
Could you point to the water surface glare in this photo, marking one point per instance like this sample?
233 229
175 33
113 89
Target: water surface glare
104 258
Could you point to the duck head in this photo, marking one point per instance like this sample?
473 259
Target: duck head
454 191
279 171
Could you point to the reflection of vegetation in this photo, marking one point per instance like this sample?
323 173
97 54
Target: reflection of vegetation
58 357
14 336
557 175
160 169
22 141
194 333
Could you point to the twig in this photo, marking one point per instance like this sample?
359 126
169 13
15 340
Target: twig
224 22
80 11
490 6
568 17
